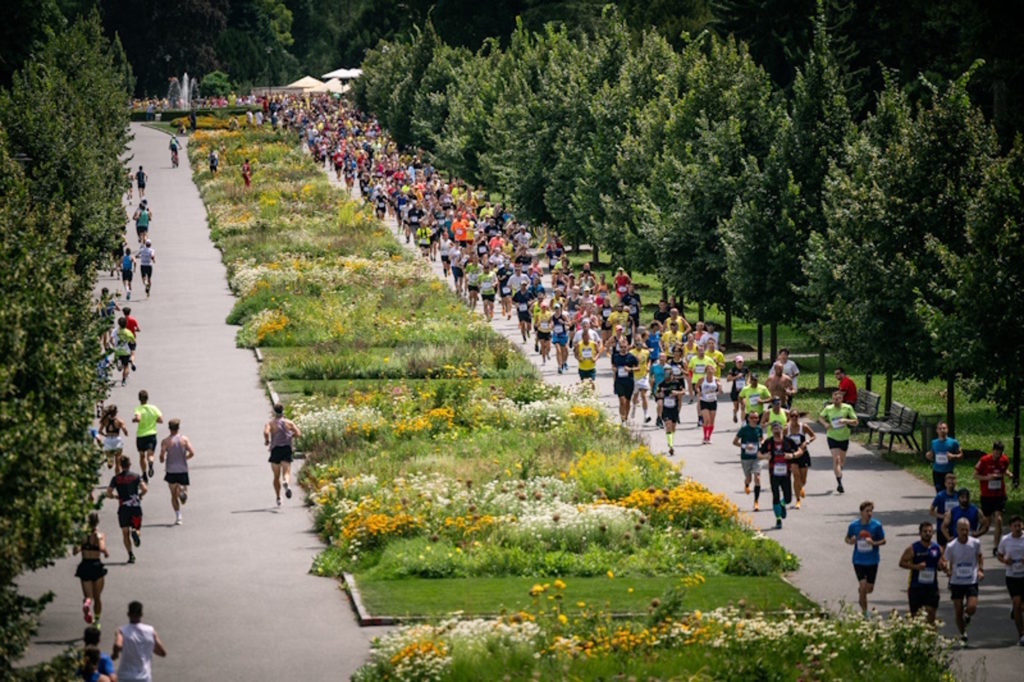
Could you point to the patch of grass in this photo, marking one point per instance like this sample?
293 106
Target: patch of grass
491 596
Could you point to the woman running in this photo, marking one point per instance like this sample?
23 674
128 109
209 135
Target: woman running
488 286
560 337
801 435
111 428
710 389
544 326
641 381
669 394
91 570
472 269
623 363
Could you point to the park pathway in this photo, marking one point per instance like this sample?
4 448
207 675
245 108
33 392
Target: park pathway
229 591
815 533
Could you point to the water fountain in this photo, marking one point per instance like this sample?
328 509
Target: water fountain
181 94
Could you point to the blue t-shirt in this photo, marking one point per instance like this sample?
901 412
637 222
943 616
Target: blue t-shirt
658 373
126 263
862 554
106 667
940 447
654 345
944 501
958 512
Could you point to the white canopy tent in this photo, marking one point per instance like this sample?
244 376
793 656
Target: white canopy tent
334 86
344 74
305 83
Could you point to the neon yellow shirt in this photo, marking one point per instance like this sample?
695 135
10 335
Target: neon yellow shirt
755 397
147 414
588 354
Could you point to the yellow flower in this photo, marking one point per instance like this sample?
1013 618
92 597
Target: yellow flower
611 576
559 585
562 619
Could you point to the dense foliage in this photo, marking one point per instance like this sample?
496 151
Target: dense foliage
63 127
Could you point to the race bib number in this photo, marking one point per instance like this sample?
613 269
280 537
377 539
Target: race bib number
505 291
995 484
559 329
864 545
964 572
1016 569
837 423
545 326
586 353
942 459
523 307
781 469
926 576
755 400
795 439
739 383
623 372
750 448
698 368
676 370
670 401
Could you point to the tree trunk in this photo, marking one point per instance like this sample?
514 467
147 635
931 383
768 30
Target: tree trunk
867 381
951 403
760 342
773 332
576 243
888 391
728 325
595 256
664 293
1016 441
821 368
700 311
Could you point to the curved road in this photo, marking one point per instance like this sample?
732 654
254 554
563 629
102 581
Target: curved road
229 591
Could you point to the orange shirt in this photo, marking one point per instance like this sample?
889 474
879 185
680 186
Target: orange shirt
459 229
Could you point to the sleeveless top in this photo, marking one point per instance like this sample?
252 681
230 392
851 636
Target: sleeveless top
709 391
797 439
281 436
137 656
176 457
929 555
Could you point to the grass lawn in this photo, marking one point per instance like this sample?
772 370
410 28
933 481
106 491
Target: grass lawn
489 596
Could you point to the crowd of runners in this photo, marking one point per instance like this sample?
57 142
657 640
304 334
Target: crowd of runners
666 370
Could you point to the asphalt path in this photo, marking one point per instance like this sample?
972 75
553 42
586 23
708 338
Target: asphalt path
816 532
229 590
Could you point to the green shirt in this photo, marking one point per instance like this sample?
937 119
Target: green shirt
749 436
830 413
147 414
779 418
754 397
124 337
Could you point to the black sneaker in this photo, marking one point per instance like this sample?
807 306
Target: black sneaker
136 538
660 424
183 497
783 511
131 558
145 477
287 491
151 470
133 366
839 489
778 523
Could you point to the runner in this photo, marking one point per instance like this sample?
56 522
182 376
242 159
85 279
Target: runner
138 642
140 180
696 366
111 428
739 375
801 435
544 326
523 299
143 216
866 535
247 173
132 325
127 270
124 341
214 160
91 639
173 146
943 454
147 417
837 418
990 472
91 570
176 450
624 364
670 394
965 568
775 414
789 367
488 287
472 270
586 351
657 379
710 389
748 440
147 258
130 490
976 521
779 452
923 558
943 502
278 434
1011 553
641 384
559 336
779 385
753 396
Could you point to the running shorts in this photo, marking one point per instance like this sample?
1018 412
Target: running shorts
920 597
179 479
866 572
143 443
711 405
991 505
670 414
588 374
543 336
1015 586
624 388
803 460
113 444
751 467
126 275
281 453
560 339
963 591
129 517
146 270
837 444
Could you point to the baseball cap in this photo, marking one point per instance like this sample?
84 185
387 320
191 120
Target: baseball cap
776 426
739 358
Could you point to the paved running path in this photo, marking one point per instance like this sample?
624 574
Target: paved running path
814 533
229 591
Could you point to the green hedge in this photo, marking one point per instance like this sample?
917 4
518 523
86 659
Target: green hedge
171 114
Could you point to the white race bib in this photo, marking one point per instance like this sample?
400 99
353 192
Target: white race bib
505 291
559 329
964 572
676 370
754 400
750 448
544 326
926 576
739 383
523 307
864 545
781 469
1016 569
837 423
995 484
623 372
670 401
941 458
586 353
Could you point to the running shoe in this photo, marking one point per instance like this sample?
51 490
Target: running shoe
839 489
183 497
279 502
136 538
746 490
151 470
133 366
798 503
778 523
647 420
145 477
128 296
87 610
756 508
963 641
131 558
735 419
287 491
1020 642
783 511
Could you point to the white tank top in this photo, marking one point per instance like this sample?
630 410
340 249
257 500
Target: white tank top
137 656
709 391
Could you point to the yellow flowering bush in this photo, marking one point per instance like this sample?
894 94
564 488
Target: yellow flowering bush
689 505
614 475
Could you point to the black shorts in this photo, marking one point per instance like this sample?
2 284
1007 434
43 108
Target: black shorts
281 453
670 414
179 479
710 405
146 270
487 297
129 517
624 387
143 443
124 361
1015 586
803 460
524 317
991 505
132 346
90 569
543 336
588 374
126 275
457 272
866 572
963 591
472 287
837 444
445 259
920 597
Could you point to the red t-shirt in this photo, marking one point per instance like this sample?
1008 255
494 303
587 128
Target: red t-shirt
989 465
849 390
622 285
131 324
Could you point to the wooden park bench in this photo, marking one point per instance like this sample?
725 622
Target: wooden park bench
866 407
900 422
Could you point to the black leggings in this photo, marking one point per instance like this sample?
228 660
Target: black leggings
781 485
